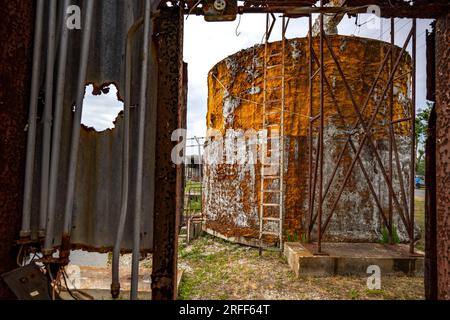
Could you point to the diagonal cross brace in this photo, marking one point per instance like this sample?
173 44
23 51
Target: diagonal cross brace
352 145
367 134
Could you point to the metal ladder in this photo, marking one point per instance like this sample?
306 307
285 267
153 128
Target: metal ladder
272 174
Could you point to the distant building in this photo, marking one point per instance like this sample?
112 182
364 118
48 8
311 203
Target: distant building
193 168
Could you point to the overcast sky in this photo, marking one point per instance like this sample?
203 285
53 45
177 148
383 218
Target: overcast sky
206 43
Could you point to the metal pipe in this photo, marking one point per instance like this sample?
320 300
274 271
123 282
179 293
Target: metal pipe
31 128
115 285
321 127
140 150
391 136
47 118
56 133
413 136
76 125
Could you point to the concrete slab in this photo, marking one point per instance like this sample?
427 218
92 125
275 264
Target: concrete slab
96 281
352 259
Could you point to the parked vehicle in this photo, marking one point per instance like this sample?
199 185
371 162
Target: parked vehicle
420 182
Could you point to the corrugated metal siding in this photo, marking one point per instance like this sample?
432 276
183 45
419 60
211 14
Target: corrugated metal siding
98 187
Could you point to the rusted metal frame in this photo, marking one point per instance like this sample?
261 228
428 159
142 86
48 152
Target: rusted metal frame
168 38
269 32
366 133
310 130
398 167
321 129
296 11
365 127
352 145
391 115
47 118
393 142
76 126
430 263
356 125
25 232
115 284
413 137
56 134
357 110
16 60
140 153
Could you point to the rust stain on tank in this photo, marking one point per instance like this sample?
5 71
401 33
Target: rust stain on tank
235 97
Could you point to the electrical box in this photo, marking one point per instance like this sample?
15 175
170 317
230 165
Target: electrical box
28 283
220 10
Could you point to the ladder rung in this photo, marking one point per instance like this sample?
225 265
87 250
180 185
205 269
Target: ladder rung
271 219
272 125
274 88
270 233
270 177
272 191
270 204
275 100
275 54
273 66
274 77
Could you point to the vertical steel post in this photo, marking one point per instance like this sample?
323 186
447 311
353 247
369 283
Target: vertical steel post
168 36
31 127
16 60
391 133
321 128
310 130
413 136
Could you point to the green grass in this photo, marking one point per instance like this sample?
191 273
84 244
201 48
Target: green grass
192 186
216 269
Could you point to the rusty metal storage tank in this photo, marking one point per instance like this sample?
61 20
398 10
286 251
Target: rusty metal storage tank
235 97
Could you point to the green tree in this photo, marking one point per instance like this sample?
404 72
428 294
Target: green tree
422 117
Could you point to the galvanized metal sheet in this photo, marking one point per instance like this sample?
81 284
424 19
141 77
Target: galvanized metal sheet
99 170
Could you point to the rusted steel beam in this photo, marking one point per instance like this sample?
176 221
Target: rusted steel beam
412 171
310 128
321 134
391 134
443 154
302 8
168 177
403 9
430 272
16 36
